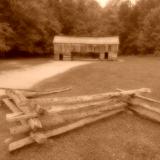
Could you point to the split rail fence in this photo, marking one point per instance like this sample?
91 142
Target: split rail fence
36 117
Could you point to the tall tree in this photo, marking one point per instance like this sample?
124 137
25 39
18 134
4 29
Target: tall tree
33 22
67 15
124 25
88 14
131 23
7 38
6 32
95 11
149 39
109 22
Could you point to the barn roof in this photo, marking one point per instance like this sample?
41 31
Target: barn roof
86 40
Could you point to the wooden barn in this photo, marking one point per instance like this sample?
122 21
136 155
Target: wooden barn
66 48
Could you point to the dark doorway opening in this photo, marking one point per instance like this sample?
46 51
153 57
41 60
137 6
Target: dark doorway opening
61 57
106 55
84 55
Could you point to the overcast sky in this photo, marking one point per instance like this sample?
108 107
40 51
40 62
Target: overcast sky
102 2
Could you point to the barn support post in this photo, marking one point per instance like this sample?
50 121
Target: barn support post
112 56
67 56
56 56
102 56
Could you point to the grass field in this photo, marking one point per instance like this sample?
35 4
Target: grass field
133 72
124 137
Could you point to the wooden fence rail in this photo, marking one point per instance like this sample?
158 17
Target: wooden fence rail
41 118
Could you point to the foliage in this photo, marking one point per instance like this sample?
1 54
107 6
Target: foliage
7 37
28 27
149 39
33 24
135 27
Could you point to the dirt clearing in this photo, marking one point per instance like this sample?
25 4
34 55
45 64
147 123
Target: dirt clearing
26 77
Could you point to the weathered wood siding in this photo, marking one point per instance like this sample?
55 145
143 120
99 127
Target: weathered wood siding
66 49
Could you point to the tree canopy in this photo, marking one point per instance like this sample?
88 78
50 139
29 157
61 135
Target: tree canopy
28 27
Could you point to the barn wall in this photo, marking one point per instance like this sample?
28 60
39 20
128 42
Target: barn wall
67 49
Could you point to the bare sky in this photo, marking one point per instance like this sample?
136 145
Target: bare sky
102 2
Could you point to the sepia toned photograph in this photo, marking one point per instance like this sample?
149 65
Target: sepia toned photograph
80 79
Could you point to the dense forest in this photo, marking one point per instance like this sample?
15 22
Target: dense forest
27 28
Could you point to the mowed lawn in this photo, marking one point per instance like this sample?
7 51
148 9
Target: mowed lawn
122 137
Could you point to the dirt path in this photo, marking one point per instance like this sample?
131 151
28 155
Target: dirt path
27 77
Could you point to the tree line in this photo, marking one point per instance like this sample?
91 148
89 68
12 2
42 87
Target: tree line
27 28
